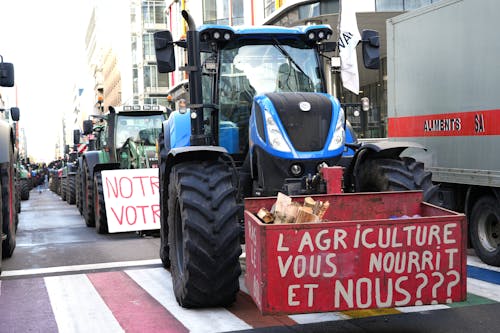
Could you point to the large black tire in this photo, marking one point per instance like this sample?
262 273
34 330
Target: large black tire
204 234
485 229
18 196
88 201
164 248
70 189
101 221
9 212
62 191
79 190
388 174
25 189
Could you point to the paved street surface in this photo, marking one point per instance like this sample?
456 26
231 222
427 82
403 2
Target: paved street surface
64 277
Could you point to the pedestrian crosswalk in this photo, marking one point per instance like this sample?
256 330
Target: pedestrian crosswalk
140 299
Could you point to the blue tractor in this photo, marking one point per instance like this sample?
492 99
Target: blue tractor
259 121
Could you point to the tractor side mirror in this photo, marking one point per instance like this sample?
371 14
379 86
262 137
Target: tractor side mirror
87 127
6 74
164 50
14 113
76 136
371 49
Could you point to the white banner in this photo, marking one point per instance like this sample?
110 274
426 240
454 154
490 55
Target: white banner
132 199
349 38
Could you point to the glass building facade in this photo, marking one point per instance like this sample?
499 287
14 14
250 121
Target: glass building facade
149 86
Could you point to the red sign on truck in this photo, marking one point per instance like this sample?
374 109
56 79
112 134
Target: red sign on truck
393 250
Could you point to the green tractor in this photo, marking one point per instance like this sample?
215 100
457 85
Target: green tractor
125 138
25 182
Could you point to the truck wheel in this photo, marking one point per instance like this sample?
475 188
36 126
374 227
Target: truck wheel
164 248
25 189
203 234
70 189
9 212
88 206
388 174
101 222
485 230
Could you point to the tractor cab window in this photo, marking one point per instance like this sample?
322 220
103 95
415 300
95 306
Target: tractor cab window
140 130
274 67
247 68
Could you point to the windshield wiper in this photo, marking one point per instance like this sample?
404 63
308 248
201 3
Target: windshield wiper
288 56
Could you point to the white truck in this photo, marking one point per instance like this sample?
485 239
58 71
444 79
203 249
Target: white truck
443 71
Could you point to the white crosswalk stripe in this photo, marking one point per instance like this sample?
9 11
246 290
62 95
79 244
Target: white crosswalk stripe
158 283
78 307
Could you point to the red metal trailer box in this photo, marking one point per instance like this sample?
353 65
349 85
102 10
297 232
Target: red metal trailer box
377 250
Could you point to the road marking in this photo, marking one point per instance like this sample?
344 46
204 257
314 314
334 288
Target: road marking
77 305
476 262
158 283
133 307
80 268
483 289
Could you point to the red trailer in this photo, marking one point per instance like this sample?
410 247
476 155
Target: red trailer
376 250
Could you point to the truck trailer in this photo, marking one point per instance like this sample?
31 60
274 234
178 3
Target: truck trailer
442 70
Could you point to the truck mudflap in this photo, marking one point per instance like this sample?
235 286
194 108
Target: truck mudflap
131 198
375 250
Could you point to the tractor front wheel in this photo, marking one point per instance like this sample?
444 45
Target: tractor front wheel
164 247
204 234
88 207
387 174
101 222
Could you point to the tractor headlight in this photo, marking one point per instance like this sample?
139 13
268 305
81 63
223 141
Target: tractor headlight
338 139
276 139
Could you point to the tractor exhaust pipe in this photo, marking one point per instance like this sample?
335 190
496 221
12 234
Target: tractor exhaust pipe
194 74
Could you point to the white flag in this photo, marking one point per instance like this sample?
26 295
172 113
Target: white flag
348 39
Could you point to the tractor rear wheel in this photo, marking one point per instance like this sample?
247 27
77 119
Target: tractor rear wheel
164 248
88 207
388 174
79 190
101 222
9 212
64 184
204 234
25 189
485 230
70 189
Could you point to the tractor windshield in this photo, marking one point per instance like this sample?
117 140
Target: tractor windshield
140 129
273 67
250 67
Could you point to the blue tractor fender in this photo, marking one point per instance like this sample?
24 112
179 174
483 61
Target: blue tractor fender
176 143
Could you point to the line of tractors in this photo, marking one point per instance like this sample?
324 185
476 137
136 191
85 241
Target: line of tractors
123 138
259 121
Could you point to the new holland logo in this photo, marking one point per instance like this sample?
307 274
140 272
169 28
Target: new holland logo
305 106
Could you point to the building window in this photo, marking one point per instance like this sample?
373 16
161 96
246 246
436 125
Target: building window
227 12
148 46
400 5
153 12
152 79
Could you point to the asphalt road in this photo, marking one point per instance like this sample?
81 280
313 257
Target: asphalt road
56 255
